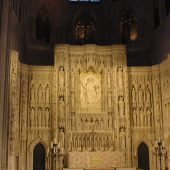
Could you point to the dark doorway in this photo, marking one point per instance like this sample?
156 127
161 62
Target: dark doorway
39 157
167 6
156 16
143 157
43 28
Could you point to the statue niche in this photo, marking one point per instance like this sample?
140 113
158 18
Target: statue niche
85 29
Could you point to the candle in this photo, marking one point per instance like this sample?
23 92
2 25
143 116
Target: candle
51 144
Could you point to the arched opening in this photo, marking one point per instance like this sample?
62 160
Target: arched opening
156 15
129 32
85 28
143 157
43 29
39 157
167 6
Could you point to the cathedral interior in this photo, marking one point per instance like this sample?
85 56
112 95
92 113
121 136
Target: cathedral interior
84 84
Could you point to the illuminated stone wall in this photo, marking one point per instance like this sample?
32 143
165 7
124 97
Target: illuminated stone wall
89 101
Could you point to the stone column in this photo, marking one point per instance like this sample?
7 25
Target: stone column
4 83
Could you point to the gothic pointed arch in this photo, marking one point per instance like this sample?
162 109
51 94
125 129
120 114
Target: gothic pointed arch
39 157
84 28
143 157
128 26
156 14
43 28
167 6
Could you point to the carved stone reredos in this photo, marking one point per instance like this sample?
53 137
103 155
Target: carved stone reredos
88 101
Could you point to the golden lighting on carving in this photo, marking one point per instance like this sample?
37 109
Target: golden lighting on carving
133 32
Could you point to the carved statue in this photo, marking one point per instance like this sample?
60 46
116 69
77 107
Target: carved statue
120 76
122 139
61 77
72 99
81 124
40 94
32 93
47 94
47 115
72 81
133 97
121 106
108 80
148 98
101 124
61 138
140 97
149 117
39 116
32 117
134 117
61 108
73 121
157 90
110 123
109 100
96 124
111 143
142 118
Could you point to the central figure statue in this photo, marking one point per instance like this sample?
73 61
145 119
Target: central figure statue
90 90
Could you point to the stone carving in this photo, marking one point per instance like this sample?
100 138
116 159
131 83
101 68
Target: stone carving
61 138
47 116
120 76
148 98
73 121
108 80
72 99
134 114
61 110
32 117
141 118
13 71
109 100
72 81
133 91
110 121
92 141
90 90
40 94
140 98
61 77
32 93
47 94
39 117
121 106
123 118
149 117
122 139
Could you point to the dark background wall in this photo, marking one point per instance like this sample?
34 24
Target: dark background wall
161 41
107 15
